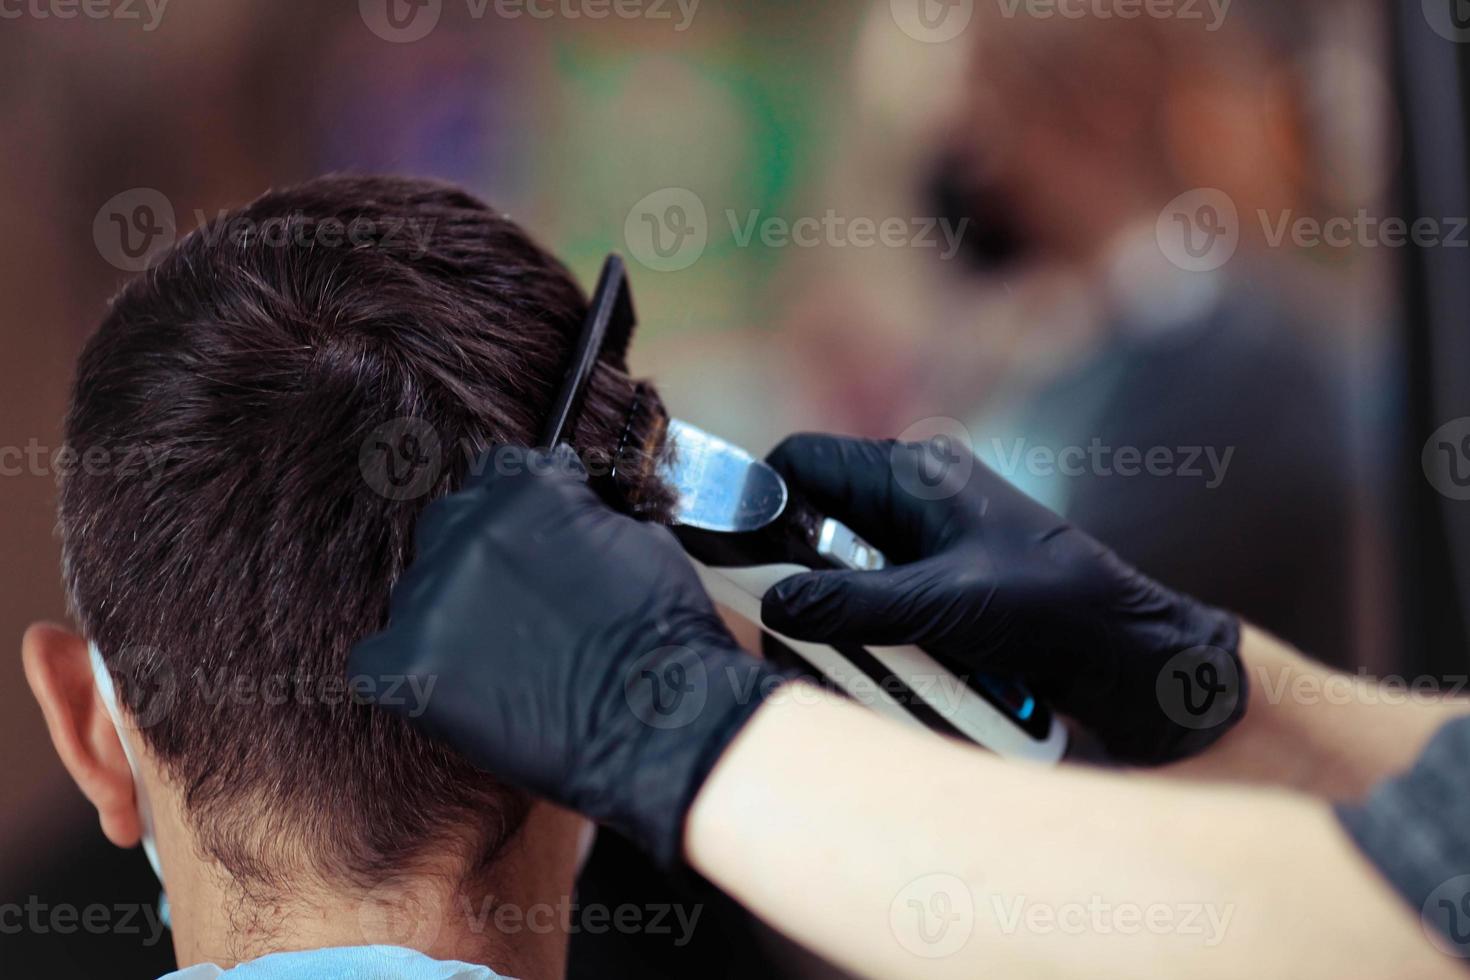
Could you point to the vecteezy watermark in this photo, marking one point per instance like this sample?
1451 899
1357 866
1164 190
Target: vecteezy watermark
937 21
408 692
39 917
1361 230
133 228
1199 688
147 687
933 459
1446 458
932 21
1450 19
124 462
1199 230
401 21
1211 12
412 913
669 230
667 687
406 21
149 13
1206 463
403 912
401 459
407 236
835 230
940 690
933 916
1098 916
1313 688
1445 916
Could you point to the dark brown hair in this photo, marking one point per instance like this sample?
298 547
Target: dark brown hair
260 366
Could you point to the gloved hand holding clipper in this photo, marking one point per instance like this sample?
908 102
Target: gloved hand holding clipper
994 581
575 651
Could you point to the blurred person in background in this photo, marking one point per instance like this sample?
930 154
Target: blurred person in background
1076 136
1072 326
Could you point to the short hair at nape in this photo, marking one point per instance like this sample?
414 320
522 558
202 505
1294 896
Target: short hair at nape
226 576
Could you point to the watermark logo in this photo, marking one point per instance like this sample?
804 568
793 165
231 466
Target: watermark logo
1446 917
1208 464
835 230
401 21
1360 687
402 912
1450 19
942 463
1099 916
124 462
667 230
39 917
1446 459
667 687
933 916
123 10
134 228
401 459
406 21
1199 230
406 913
1199 688
146 685
932 21
411 237
1361 230
1211 12
653 10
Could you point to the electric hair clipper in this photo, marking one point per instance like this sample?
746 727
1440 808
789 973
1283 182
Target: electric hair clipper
746 530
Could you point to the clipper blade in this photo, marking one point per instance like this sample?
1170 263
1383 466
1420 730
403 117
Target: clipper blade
720 486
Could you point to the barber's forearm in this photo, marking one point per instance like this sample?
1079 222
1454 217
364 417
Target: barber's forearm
898 853
1317 730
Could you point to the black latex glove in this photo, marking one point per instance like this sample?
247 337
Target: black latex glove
995 582
575 652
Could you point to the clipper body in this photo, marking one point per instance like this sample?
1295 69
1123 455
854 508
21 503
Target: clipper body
746 530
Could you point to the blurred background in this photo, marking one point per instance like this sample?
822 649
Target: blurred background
1145 265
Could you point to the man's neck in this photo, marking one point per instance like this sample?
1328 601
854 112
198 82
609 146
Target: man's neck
488 920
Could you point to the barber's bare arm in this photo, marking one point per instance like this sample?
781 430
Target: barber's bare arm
896 853
1317 730
577 656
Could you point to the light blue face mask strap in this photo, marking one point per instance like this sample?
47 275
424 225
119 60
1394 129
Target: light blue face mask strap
103 679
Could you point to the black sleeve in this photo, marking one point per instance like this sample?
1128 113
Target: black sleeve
1416 828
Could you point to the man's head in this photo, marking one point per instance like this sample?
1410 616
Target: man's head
295 382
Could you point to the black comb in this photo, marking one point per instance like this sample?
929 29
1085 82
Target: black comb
608 327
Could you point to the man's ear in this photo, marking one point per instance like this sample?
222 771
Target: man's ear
59 670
